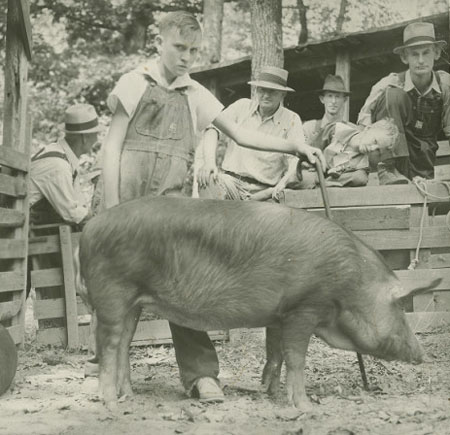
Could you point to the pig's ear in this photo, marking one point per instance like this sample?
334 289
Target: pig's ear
400 292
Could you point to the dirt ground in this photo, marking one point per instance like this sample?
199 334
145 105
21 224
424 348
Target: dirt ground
51 396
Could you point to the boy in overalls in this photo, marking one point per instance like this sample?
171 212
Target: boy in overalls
419 102
159 112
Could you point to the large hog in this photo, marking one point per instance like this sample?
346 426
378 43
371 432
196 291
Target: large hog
207 264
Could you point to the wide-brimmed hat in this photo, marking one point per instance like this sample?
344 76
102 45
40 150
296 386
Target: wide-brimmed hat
334 84
81 118
418 34
273 78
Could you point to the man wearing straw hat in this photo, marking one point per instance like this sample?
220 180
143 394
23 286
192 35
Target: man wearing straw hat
55 195
247 173
418 100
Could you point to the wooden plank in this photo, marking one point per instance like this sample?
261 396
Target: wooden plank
69 286
16 332
442 172
438 261
370 218
9 309
343 69
444 149
49 309
363 196
423 277
10 281
150 333
426 322
11 218
44 245
25 26
10 248
433 237
442 300
47 277
13 159
11 186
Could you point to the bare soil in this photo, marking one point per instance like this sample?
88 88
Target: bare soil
51 396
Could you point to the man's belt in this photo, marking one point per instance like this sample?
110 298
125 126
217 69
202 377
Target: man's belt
246 179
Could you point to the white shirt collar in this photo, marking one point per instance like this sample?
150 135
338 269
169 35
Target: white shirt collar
409 85
151 68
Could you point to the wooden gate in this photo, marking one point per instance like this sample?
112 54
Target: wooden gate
14 166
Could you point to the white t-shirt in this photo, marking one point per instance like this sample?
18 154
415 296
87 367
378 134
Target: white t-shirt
130 88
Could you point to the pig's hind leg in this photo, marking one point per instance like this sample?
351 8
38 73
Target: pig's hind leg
274 356
123 357
297 328
112 306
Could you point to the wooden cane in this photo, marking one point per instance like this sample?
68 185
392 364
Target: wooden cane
326 204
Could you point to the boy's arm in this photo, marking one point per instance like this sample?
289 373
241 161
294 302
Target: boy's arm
113 147
259 141
210 140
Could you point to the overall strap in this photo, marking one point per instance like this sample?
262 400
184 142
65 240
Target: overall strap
40 155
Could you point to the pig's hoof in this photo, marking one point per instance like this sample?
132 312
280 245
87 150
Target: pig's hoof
303 404
125 390
271 378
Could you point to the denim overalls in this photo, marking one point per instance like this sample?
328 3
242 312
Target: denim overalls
159 145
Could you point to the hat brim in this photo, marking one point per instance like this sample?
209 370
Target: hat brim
89 130
397 50
335 91
270 85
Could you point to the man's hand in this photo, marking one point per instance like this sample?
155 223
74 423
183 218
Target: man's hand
281 185
311 153
204 174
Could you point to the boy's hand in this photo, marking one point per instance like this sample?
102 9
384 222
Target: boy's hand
311 153
205 172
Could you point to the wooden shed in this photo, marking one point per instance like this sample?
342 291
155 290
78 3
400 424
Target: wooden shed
362 58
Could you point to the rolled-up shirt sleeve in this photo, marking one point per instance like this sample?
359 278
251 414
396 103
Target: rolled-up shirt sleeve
128 90
445 85
57 187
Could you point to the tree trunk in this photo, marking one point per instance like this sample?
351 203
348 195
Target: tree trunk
341 16
303 37
267 34
212 30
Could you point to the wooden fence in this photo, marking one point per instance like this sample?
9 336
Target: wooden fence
395 220
62 317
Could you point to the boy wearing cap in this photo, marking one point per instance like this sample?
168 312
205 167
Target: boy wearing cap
55 195
158 114
246 173
419 102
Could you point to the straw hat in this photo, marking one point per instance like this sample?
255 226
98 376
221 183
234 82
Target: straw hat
418 34
273 78
334 84
81 118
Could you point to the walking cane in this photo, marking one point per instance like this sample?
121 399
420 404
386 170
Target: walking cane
326 203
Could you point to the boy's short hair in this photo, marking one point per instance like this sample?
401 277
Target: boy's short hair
387 125
183 21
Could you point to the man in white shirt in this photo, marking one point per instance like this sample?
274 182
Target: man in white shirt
55 194
248 173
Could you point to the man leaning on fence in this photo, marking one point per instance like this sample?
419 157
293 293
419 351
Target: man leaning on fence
55 193
419 102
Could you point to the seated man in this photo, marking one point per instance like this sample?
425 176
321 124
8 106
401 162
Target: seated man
347 149
333 96
248 173
55 194
419 102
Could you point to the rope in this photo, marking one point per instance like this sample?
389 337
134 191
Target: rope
421 186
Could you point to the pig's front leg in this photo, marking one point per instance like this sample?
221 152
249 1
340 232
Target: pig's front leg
274 356
123 356
297 329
